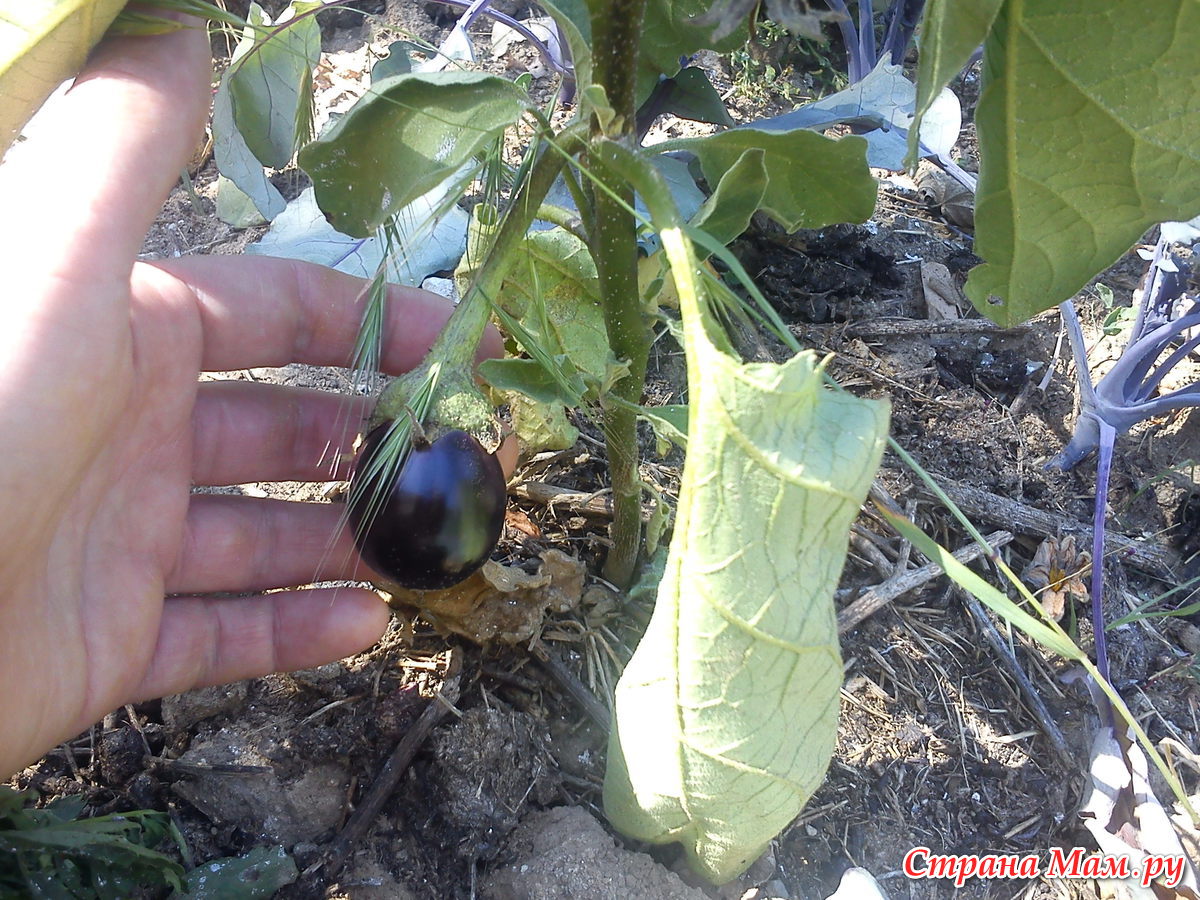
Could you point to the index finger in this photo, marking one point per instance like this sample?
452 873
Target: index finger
81 192
262 311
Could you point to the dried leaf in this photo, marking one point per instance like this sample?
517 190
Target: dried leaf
1056 573
501 603
941 293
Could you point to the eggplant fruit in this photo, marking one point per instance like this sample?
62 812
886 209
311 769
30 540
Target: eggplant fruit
439 519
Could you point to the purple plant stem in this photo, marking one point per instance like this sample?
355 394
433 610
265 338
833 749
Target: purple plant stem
845 25
518 27
1108 438
866 35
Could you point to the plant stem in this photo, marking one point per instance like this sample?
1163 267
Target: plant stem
616 30
455 347
458 340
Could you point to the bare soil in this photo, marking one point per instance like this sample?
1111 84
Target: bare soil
938 746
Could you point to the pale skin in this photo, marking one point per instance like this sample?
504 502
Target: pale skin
105 553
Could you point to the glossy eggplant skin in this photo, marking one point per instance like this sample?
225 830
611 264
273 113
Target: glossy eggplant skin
440 519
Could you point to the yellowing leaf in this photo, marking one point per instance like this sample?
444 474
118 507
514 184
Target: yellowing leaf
43 43
726 716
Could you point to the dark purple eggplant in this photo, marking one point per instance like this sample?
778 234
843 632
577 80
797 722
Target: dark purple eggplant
439 519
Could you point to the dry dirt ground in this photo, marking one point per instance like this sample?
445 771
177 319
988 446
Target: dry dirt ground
939 744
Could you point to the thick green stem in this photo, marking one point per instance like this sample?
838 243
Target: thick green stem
457 399
616 29
456 343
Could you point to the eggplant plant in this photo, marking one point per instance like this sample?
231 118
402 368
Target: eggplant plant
1162 336
726 717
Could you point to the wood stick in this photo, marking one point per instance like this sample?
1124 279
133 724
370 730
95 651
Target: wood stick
597 505
385 784
579 692
881 595
1032 698
901 326
1149 557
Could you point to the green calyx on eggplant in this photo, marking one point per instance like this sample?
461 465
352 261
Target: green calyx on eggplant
429 518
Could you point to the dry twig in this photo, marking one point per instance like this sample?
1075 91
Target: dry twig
874 599
385 784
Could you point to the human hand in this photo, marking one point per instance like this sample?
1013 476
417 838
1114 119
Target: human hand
104 428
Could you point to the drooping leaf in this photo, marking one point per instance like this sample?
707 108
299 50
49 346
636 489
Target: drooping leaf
812 181
270 81
690 95
726 716
427 240
402 138
1083 146
43 43
555 296
739 194
951 30
234 158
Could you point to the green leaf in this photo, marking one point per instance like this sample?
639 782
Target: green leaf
1083 146
555 296
950 32
669 421
812 181
575 22
422 240
235 207
270 81
690 95
397 61
541 426
262 872
1051 637
726 716
739 194
529 377
401 139
674 29
233 156
43 43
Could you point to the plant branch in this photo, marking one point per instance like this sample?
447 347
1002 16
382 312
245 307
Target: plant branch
616 30
456 343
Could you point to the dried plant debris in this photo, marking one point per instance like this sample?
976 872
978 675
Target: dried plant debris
1056 574
501 603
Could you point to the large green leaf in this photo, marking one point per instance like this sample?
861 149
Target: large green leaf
402 138
675 29
726 716
812 181
43 43
951 30
270 82
246 182
1089 133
